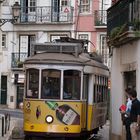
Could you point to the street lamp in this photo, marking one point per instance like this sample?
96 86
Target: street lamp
15 13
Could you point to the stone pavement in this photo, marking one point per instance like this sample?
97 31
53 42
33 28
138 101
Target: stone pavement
13 123
103 133
16 120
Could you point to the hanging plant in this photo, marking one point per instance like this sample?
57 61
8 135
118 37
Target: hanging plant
117 31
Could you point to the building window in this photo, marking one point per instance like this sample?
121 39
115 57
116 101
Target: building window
32 5
84 6
103 50
64 2
4 40
83 36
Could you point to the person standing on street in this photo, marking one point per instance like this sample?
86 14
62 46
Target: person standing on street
135 116
126 115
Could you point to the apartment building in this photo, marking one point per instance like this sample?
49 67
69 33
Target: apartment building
124 42
40 21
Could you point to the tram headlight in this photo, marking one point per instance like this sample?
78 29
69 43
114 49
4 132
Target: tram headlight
49 119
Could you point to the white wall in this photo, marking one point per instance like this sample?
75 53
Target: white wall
138 70
41 37
44 2
125 58
116 93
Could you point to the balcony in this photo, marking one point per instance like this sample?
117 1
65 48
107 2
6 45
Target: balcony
17 60
123 22
100 18
46 14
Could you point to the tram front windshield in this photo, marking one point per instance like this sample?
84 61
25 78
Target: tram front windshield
51 83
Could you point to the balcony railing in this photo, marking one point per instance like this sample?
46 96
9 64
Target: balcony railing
100 18
18 59
46 14
123 16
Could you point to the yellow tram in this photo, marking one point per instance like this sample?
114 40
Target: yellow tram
66 90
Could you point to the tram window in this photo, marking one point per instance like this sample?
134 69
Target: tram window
85 87
50 84
95 90
107 91
100 92
71 87
32 83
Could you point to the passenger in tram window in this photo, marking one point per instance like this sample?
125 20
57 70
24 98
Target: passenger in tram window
46 90
32 93
67 92
29 93
56 88
67 95
99 96
126 114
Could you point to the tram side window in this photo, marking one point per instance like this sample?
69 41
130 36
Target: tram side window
50 84
85 87
32 83
106 89
100 91
95 90
72 85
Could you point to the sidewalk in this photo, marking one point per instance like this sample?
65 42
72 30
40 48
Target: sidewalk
13 123
103 133
16 121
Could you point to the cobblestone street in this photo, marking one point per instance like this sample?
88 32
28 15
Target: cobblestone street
16 124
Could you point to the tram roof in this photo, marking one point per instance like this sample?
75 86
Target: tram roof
64 58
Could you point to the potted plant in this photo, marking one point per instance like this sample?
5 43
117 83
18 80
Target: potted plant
19 64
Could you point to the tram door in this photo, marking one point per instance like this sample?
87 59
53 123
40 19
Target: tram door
130 79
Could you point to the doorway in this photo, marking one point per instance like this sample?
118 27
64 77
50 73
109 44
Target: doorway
20 93
130 79
3 90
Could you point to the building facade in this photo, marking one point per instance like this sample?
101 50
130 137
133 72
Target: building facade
124 41
42 21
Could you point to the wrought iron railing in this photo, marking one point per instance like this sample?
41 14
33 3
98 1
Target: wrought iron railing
18 59
100 18
125 13
46 14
